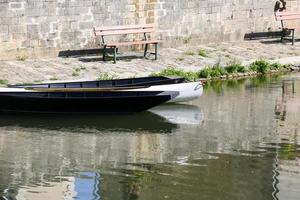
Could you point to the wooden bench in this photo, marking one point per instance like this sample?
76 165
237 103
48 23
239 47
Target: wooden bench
287 31
146 30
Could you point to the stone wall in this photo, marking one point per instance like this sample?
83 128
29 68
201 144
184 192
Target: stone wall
44 27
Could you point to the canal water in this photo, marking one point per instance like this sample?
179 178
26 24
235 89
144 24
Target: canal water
239 141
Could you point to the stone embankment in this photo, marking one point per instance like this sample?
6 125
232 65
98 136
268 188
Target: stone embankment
22 70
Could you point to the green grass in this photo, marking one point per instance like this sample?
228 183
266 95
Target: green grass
3 82
82 67
107 76
172 71
54 78
21 57
202 53
189 53
235 68
263 66
212 72
180 59
215 72
75 73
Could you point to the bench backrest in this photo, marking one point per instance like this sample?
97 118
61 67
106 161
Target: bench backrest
287 15
121 30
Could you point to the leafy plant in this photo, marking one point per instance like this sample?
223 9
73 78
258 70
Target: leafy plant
3 82
189 53
260 66
202 53
107 76
212 72
21 57
235 68
75 74
171 71
54 78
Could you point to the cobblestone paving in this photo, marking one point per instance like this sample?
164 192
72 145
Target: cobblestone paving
188 58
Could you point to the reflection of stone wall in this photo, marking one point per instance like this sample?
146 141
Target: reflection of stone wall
46 26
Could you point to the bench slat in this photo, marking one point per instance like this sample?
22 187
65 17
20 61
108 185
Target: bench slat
110 28
132 43
123 32
287 15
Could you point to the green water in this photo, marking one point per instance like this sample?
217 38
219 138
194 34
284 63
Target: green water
240 140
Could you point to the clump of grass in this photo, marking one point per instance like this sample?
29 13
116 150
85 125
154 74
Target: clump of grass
212 72
217 71
235 68
21 57
3 82
54 78
260 66
278 66
75 73
189 53
107 76
82 67
202 53
180 59
172 71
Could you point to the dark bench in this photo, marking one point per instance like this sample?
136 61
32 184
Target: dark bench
146 30
287 31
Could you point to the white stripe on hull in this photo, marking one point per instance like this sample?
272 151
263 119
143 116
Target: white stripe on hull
187 91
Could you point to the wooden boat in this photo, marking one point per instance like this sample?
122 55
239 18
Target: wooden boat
78 101
129 82
187 91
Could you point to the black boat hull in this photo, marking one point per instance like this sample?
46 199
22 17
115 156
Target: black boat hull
82 102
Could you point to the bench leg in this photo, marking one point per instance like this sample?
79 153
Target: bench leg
115 55
104 53
156 50
145 51
293 37
282 36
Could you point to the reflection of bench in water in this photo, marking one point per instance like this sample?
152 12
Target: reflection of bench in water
288 91
288 87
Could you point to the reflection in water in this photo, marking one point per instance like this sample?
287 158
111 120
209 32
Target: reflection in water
180 114
244 149
90 123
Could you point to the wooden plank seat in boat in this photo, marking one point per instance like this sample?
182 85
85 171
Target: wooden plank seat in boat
287 31
146 30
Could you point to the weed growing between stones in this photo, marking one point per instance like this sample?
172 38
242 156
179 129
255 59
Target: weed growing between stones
3 82
21 57
189 53
262 66
236 68
171 71
107 76
54 78
232 70
75 73
202 53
